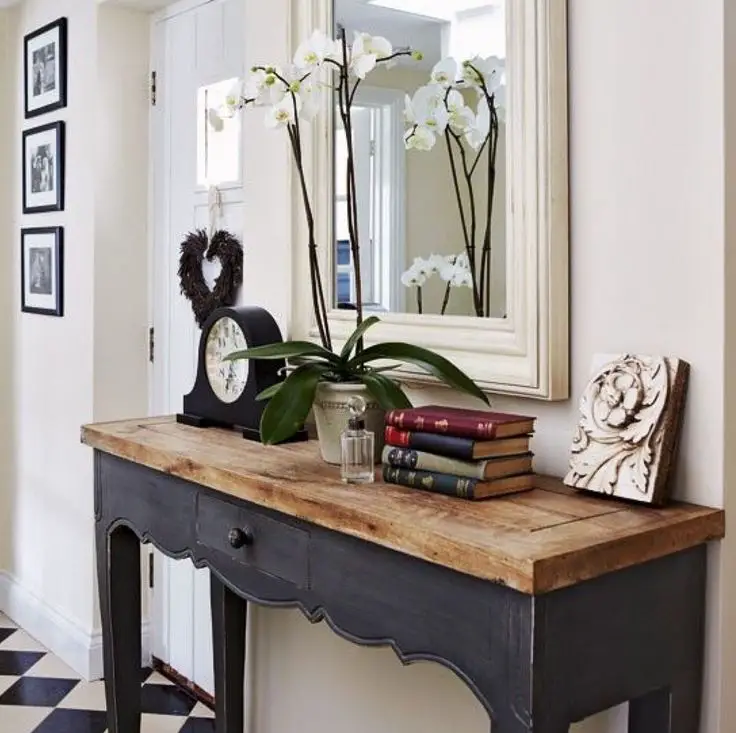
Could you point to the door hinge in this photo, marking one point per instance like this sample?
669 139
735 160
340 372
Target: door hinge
154 80
151 344
150 570
373 149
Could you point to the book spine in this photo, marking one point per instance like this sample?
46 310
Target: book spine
438 483
456 425
413 459
443 445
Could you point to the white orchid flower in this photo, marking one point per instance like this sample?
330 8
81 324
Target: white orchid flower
413 279
436 263
427 110
422 267
461 117
280 82
489 71
216 119
313 52
448 268
283 113
444 73
419 138
478 133
462 261
254 85
310 95
366 52
461 278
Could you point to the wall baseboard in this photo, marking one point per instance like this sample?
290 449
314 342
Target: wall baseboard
77 648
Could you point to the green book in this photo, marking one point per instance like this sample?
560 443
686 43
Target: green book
464 488
488 469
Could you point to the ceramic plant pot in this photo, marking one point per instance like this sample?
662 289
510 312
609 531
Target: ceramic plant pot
331 415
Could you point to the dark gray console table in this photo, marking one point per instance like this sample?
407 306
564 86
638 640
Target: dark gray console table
550 605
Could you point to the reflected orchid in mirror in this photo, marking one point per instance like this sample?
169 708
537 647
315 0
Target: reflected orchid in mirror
452 269
366 52
443 108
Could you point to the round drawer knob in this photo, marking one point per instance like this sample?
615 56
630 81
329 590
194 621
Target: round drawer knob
239 538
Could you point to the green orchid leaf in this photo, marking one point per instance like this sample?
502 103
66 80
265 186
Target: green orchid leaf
269 392
290 405
382 370
356 335
432 363
286 350
389 395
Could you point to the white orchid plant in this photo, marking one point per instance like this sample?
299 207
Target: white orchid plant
441 109
292 96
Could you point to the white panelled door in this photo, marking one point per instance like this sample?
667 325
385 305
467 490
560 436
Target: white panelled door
198 57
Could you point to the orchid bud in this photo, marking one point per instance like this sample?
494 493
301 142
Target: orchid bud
417 55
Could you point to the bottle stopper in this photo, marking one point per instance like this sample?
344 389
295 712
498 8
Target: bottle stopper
357 407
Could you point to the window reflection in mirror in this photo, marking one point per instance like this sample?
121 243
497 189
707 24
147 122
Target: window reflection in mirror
425 243
218 138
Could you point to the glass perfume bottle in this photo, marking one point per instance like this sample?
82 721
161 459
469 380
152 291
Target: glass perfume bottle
357 445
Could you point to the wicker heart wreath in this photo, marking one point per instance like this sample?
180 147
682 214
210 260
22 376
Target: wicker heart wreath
194 250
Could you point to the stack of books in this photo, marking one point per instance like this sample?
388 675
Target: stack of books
472 454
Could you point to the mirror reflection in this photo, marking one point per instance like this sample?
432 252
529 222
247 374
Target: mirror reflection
429 157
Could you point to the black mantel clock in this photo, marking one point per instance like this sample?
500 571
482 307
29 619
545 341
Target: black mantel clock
224 393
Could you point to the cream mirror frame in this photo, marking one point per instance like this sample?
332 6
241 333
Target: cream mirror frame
526 353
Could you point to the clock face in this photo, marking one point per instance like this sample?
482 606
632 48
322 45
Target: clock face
227 378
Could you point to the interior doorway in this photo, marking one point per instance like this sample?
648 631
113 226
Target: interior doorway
197 59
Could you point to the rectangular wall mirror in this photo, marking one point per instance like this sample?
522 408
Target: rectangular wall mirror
460 158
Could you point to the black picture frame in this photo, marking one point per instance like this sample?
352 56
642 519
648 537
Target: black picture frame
50 39
40 201
48 298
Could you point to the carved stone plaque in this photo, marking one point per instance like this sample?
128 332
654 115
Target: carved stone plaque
630 419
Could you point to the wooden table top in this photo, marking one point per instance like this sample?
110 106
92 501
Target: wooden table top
535 542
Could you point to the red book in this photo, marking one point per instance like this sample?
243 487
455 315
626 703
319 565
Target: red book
455 421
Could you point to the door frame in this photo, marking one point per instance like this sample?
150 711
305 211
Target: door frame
160 290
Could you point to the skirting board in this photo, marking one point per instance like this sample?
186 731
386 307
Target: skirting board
77 648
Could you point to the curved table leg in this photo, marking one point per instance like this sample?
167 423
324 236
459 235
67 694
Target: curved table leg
228 643
119 578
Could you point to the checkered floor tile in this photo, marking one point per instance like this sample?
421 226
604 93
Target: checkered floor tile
40 694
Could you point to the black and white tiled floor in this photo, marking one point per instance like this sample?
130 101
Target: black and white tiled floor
40 694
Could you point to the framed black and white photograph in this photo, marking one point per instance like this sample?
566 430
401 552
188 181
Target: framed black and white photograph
43 168
46 68
42 270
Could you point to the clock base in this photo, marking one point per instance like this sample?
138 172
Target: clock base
248 433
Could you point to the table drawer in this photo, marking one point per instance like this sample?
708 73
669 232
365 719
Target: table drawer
254 539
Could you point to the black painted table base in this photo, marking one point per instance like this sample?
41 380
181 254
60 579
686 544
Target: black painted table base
536 663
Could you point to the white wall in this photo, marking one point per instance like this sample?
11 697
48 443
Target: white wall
121 206
52 539
648 245
8 253
90 364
